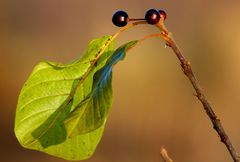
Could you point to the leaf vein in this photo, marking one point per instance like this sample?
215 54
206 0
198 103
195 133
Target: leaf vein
34 85
35 113
40 98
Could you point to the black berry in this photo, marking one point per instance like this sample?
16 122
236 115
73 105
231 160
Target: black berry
120 18
162 14
152 16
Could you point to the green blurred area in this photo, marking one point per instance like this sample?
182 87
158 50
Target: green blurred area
154 103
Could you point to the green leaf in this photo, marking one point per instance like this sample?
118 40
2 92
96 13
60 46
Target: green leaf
62 109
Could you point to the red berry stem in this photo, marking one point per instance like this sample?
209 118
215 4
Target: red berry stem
136 19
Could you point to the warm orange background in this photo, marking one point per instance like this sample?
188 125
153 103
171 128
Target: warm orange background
153 101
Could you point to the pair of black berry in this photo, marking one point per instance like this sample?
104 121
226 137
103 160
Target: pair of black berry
152 16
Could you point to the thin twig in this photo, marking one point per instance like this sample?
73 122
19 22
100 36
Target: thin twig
164 155
186 67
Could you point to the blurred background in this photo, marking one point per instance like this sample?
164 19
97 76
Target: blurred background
154 103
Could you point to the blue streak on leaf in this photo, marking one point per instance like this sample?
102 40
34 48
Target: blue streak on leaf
103 75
